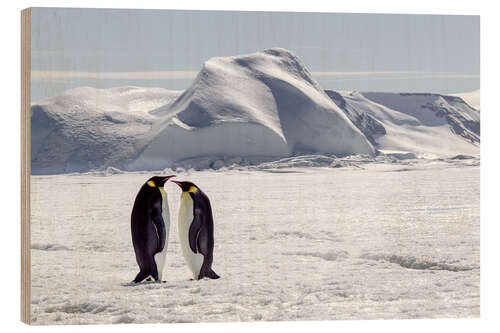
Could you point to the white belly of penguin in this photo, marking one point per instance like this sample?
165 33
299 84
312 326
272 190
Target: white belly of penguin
193 260
160 258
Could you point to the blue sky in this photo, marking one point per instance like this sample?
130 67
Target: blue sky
366 52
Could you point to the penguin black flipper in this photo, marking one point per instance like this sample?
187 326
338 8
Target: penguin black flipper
157 220
195 228
202 241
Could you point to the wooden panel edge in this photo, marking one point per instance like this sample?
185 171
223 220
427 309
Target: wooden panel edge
25 165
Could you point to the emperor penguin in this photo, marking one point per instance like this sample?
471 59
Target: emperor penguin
150 225
196 230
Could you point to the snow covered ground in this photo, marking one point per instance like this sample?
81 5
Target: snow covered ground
368 240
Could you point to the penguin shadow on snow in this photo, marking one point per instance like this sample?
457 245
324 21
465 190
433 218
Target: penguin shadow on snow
143 283
152 284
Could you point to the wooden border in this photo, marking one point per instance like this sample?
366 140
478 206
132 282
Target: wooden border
25 166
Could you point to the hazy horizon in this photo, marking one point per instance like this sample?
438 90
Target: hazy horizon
164 48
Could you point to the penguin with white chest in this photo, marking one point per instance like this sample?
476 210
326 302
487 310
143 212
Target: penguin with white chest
150 226
196 230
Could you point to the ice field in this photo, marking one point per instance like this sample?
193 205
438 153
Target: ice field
367 241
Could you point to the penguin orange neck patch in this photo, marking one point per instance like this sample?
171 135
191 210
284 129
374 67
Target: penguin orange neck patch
151 183
192 189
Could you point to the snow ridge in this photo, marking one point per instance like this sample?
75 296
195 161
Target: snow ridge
463 119
425 125
366 123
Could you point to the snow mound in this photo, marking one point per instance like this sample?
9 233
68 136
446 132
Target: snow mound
261 104
426 125
87 128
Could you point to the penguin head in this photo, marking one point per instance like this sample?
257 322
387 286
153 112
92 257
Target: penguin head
158 181
187 187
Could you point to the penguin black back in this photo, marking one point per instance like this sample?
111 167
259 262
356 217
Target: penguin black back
148 227
199 227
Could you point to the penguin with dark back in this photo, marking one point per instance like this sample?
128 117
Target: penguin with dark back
196 230
150 226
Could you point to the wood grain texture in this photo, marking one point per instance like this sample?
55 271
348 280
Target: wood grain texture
25 166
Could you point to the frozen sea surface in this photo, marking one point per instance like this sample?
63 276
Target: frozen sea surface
381 241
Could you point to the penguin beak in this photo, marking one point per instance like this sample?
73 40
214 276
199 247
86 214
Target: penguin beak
178 183
164 180
167 178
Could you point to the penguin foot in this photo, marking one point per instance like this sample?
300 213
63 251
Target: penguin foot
149 279
210 274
